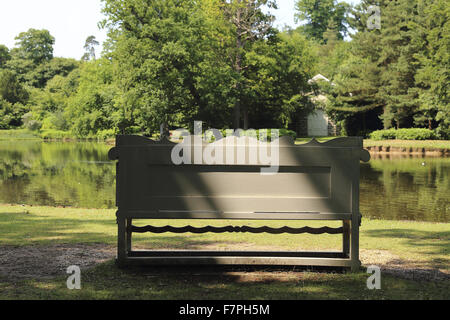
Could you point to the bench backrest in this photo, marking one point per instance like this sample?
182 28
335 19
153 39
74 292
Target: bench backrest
314 180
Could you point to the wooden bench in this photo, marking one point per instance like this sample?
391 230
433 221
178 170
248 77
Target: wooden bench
315 181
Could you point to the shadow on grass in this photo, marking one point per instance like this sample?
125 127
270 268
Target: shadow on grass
433 243
108 282
31 229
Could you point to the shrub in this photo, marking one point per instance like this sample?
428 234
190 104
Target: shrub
106 134
282 133
443 133
383 134
29 123
404 134
55 134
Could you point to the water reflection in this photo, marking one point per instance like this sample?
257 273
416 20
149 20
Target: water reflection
80 175
56 174
406 189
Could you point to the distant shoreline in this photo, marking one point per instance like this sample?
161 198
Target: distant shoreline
398 151
424 148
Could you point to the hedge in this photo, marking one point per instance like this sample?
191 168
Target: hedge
403 134
281 132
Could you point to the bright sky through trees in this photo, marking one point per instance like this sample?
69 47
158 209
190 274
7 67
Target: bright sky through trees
69 21
72 21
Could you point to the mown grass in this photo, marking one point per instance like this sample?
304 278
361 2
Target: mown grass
108 282
424 244
24 134
19 134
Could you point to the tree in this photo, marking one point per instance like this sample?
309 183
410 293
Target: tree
277 88
12 99
92 108
4 55
89 46
433 76
42 73
159 51
398 63
250 24
49 105
11 89
36 45
32 60
318 15
380 75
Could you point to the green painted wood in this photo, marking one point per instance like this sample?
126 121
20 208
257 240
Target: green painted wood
234 229
249 260
316 181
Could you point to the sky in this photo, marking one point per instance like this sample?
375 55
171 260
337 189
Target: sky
72 21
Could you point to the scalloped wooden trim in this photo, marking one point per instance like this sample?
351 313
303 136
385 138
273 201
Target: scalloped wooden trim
236 229
286 141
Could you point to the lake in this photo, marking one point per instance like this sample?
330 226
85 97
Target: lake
80 175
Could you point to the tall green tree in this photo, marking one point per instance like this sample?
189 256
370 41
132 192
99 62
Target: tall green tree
249 24
4 55
277 87
11 89
381 70
35 45
318 14
157 51
432 36
13 96
89 46
92 107
398 62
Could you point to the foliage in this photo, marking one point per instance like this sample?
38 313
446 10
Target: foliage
48 134
259 134
11 89
12 98
91 108
319 15
89 46
5 56
46 71
403 134
35 45
29 123
390 72
222 62
433 76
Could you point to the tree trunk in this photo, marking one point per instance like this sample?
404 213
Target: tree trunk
237 114
164 132
238 70
246 124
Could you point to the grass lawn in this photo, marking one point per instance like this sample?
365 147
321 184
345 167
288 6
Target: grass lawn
406 246
24 134
19 134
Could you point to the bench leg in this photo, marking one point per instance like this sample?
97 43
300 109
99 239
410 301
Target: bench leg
129 233
354 245
121 241
346 238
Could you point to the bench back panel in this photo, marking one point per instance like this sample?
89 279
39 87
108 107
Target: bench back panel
312 179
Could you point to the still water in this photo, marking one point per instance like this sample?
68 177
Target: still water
80 175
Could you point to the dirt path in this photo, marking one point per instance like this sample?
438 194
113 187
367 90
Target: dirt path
40 262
